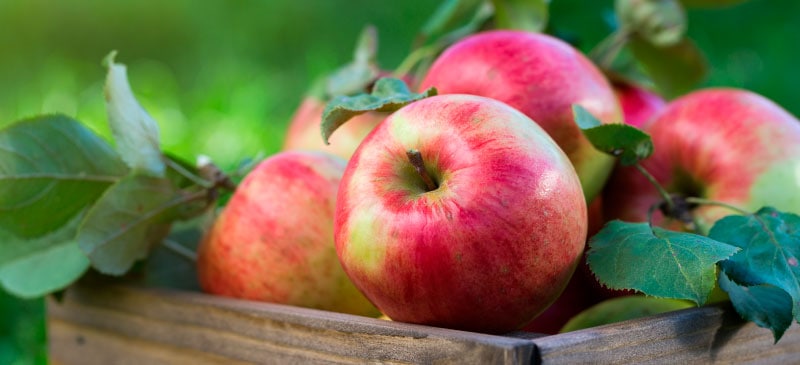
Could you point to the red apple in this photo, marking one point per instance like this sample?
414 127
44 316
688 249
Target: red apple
273 241
576 297
304 130
723 144
484 244
542 77
638 104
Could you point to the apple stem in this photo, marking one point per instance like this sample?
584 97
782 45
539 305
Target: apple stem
695 200
663 192
415 157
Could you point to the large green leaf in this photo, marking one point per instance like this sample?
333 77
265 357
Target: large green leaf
675 69
626 142
527 15
770 243
450 15
656 261
135 132
23 335
51 168
129 218
766 305
34 267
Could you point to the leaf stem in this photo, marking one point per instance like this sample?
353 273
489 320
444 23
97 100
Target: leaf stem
188 174
415 157
695 200
661 191
413 59
605 52
180 250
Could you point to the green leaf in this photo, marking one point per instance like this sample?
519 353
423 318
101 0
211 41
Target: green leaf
770 243
51 168
135 132
661 23
35 267
23 334
388 95
357 75
768 306
129 218
656 261
449 15
527 15
626 142
710 3
674 69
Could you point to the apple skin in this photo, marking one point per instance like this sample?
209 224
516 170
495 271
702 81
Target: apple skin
638 104
304 130
273 241
723 144
576 297
487 250
542 77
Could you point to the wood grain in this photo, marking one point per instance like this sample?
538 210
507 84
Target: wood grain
708 335
138 325
124 324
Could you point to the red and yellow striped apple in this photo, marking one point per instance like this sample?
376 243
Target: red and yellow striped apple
304 130
638 104
542 77
723 144
458 211
273 241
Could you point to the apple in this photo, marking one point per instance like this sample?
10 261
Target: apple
576 297
723 144
622 309
304 130
638 104
542 77
273 241
458 211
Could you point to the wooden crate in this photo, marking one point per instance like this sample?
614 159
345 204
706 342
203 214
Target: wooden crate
117 323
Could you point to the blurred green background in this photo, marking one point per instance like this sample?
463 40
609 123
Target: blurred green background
222 78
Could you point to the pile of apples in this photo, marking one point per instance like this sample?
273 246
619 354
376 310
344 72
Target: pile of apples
471 209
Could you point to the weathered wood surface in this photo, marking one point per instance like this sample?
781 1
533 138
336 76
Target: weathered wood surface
127 325
708 335
119 324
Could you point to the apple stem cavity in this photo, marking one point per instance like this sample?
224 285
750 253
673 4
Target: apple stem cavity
670 204
415 157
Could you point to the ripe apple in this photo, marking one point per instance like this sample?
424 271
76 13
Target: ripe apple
458 211
304 130
723 144
622 309
638 104
273 241
576 297
542 77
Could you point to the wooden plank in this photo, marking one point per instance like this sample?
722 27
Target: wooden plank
713 334
154 326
